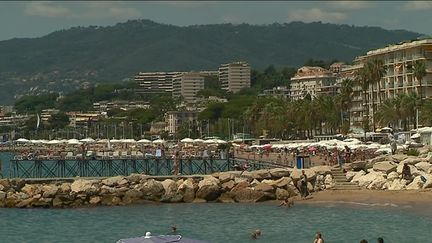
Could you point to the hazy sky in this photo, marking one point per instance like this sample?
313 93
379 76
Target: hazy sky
34 19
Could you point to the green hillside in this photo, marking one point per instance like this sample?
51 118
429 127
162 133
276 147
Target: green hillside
64 59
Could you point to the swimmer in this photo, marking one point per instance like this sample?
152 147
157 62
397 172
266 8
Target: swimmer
287 203
173 229
318 238
256 234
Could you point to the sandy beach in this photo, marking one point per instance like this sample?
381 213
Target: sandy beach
413 198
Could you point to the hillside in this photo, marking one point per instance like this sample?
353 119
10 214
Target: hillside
64 59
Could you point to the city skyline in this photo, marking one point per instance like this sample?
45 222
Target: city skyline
38 18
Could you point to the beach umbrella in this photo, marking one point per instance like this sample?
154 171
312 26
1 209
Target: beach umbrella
115 141
220 141
52 142
311 149
159 141
22 140
44 141
144 141
198 140
87 140
267 146
73 141
187 140
102 141
36 141
414 136
128 140
210 141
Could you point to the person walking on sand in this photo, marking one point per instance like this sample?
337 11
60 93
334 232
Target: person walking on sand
318 238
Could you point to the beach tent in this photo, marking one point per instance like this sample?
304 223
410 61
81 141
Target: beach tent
159 141
144 141
187 140
22 140
87 140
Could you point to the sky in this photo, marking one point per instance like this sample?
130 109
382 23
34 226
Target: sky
35 19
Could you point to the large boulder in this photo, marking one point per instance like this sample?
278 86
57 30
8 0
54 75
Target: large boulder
428 183
367 179
283 182
280 172
350 175
251 195
411 160
171 194
322 170
264 187
83 185
392 176
385 166
240 186
228 186
50 190
413 169
328 181
226 197
397 184
423 166
358 165
187 190
296 174
380 158
114 181
261 174
358 175
208 180
31 189
209 192
416 184
152 190
377 183
132 196
399 157
227 176
281 194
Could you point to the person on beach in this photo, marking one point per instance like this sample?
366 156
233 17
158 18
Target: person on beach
406 172
318 238
303 185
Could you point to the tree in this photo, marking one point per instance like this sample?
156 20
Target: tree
59 120
419 72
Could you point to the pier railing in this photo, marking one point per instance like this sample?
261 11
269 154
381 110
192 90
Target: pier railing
62 168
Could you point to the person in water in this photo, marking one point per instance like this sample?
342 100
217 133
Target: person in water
380 240
256 234
363 241
173 229
318 238
287 203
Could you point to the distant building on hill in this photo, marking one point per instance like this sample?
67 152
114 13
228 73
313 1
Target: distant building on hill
175 119
277 92
155 82
235 76
187 86
104 106
313 81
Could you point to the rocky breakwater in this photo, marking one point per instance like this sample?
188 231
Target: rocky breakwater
385 173
227 187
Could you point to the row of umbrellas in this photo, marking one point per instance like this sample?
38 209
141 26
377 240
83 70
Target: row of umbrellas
126 141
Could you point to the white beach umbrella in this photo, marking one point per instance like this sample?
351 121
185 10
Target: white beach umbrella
210 141
87 140
53 142
115 141
144 141
159 141
44 141
102 140
198 140
416 135
73 141
220 141
128 140
35 141
187 140
22 140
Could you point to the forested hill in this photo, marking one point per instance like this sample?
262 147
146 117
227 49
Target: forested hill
98 54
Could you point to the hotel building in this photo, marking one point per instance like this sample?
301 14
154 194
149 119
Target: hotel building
235 76
313 81
187 85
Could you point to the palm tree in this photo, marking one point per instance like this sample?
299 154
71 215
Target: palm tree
376 70
362 76
419 71
346 93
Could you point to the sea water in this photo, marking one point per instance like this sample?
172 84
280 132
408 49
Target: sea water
218 223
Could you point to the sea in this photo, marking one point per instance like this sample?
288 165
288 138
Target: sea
217 222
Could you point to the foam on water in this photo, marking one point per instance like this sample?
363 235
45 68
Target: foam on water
216 223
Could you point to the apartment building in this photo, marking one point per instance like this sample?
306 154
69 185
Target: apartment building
187 85
399 78
104 106
155 82
276 92
175 119
235 76
313 81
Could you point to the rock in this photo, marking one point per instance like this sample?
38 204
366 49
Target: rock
25 203
57 202
283 182
83 185
380 158
152 190
107 199
411 160
228 186
243 178
42 202
2 195
17 184
171 194
385 166
132 196
296 174
134 178
310 187
392 176
281 194
280 172
367 179
358 175
397 184
413 169
208 180
264 187
250 195
49 191
95 200
65 187
292 190
240 186
208 192
358 165
328 181
350 175
322 170
5 184
428 183
199 200
255 182
226 197
261 174
226 176
416 184
423 166
114 181
31 189
377 183
187 190
399 157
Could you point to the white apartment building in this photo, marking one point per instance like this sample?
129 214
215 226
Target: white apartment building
235 76
399 60
313 81
155 82
187 85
